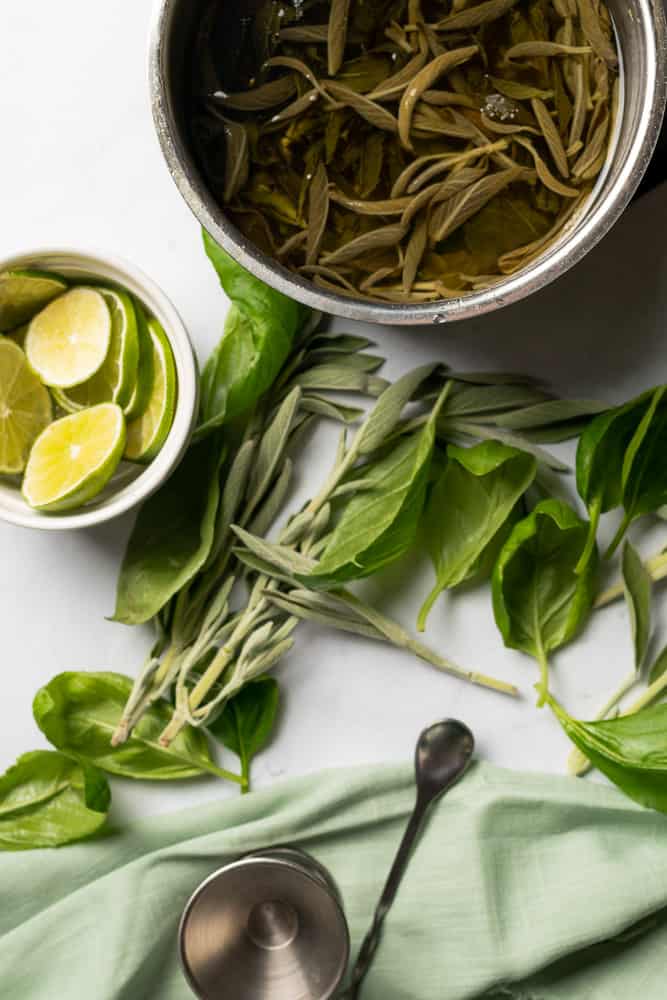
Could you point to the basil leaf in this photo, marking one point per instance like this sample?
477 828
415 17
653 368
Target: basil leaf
630 750
247 721
379 523
644 476
539 600
78 713
637 588
172 536
259 331
47 799
468 506
600 457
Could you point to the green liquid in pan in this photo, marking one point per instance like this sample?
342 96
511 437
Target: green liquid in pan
404 151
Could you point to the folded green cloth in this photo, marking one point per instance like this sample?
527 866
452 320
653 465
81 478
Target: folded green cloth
522 886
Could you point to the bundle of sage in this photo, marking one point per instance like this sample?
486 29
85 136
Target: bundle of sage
411 150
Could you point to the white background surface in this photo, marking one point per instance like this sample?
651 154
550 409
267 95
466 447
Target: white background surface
80 167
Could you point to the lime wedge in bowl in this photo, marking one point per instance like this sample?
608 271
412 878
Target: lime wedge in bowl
147 434
74 458
25 408
143 387
68 341
24 292
115 381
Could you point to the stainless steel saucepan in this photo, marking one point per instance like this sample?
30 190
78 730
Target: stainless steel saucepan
641 30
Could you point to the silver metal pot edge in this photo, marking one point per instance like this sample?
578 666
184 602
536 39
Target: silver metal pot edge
604 214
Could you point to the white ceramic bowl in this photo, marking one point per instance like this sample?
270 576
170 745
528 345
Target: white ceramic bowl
132 484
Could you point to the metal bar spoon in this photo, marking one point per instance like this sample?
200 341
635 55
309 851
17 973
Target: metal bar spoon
442 755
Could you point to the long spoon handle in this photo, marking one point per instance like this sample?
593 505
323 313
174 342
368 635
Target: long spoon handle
372 939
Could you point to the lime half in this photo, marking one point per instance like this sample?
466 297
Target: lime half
74 458
147 434
25 408
69 340
141 394
116 379
24 293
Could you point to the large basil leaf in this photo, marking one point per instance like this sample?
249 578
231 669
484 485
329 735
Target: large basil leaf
79 712
468 506
379 523
539 600
246 724
172 536
630 750
259 332
47 799
644 475
600 457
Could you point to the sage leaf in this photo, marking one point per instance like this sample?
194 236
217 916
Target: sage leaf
259 331
79 712
318 213
637 588
272 448
468 202
308 33
47 800
369 110
468 506
337 33
273 504
539 601
426 77
385 415
549 412
283 557
377 239
267 95
630 750
172 536
472 17
246 723
594 33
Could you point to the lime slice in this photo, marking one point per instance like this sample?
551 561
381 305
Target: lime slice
74 458
116 379
68 341
23 293
142 390
147 434
25 408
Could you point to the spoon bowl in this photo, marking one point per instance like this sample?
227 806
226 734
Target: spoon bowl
443 753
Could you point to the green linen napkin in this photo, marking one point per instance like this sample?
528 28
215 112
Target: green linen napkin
522 886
